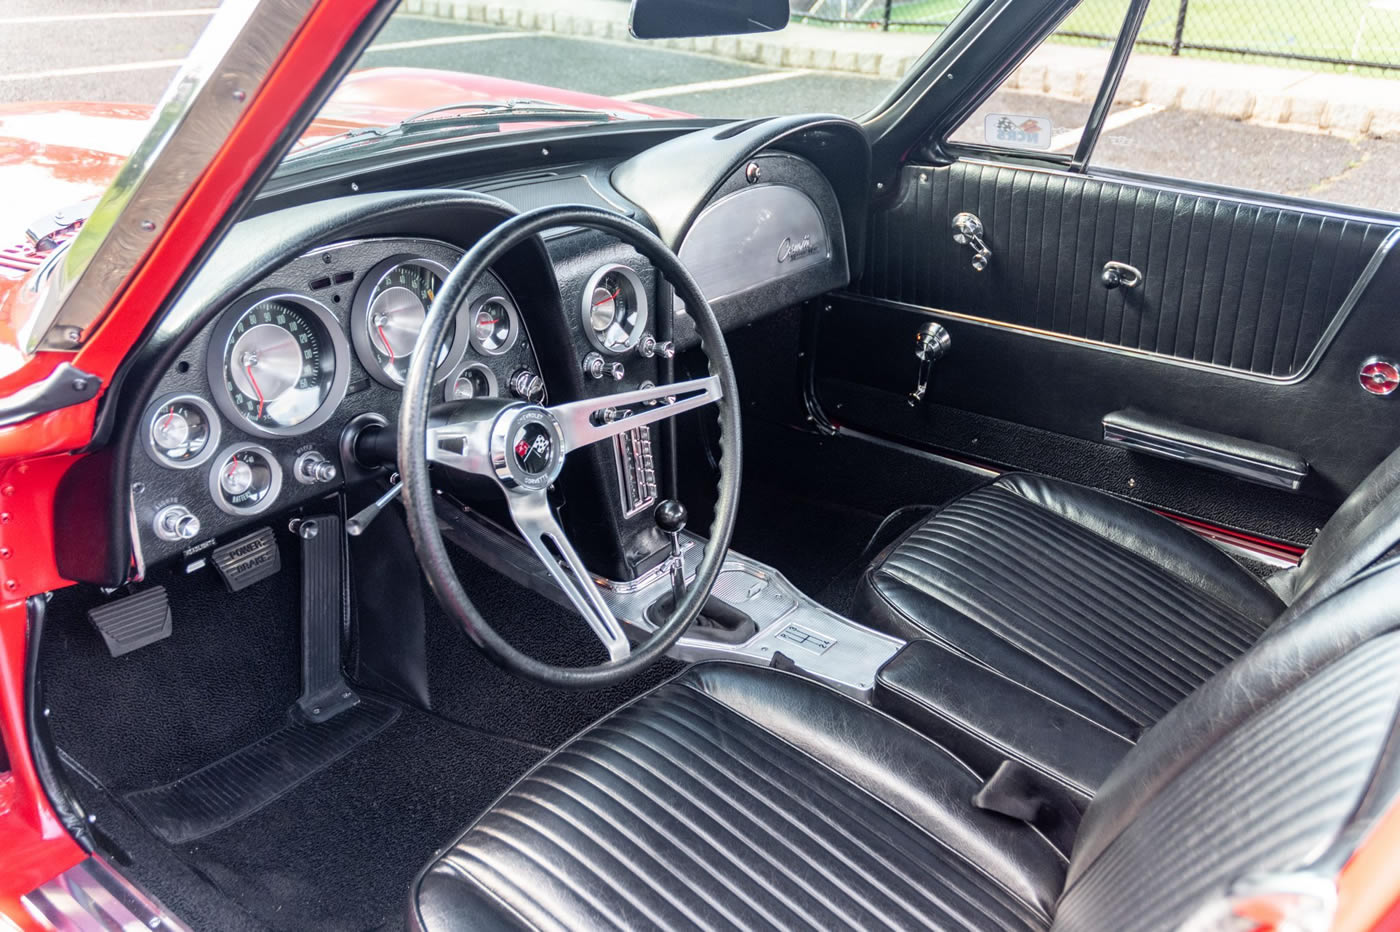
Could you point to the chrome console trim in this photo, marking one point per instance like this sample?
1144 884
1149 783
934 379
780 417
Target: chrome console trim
820 644
92 895
228 64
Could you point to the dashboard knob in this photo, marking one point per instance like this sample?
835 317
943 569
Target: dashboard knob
176 523
617 371
594 365
666 349
527 386
646 346
311 467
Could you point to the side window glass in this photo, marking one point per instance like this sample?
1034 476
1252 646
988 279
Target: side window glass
1285 98
1043 105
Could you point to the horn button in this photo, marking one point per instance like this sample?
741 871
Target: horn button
527 449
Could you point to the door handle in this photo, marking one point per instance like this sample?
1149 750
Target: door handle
967 231
1120 273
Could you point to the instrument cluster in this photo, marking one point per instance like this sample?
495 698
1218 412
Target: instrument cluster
253 415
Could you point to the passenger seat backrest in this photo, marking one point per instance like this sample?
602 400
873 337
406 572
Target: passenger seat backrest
1362 530
1257 771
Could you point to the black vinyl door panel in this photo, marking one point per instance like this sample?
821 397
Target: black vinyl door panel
1249 321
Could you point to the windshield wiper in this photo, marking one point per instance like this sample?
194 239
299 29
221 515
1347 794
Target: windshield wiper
477 114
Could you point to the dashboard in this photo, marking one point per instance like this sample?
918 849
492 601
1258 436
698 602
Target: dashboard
297 334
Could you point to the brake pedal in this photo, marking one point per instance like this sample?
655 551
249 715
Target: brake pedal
134 621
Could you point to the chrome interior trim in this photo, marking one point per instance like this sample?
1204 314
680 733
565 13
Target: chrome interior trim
92 895
1235 547
821 644
1244 467
224 70
1329 334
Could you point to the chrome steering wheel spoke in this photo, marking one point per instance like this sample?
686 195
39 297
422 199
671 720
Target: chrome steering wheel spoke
586 422
535 519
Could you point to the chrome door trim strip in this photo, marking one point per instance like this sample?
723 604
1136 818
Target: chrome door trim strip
1171 448
1329 334
226 68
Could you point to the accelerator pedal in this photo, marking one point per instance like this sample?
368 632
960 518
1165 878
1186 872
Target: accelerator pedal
324 691
134 621
237 786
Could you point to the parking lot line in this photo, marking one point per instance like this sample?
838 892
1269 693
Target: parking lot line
94 69
768 77
97 17
1070 137
446 40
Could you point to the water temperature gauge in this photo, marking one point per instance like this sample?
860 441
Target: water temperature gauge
181 431
245 480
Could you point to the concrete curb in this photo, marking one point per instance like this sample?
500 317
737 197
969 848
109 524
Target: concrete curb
1340 113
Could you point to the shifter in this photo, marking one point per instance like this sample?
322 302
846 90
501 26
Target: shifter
670 518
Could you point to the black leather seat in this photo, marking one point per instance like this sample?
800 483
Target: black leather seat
745 797
1101 605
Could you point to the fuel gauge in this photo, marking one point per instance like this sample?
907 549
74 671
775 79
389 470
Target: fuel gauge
181 431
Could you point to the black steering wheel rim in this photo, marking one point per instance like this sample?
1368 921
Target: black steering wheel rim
413 462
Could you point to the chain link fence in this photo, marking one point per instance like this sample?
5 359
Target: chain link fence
1344 35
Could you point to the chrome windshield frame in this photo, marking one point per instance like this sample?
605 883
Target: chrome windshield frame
224 71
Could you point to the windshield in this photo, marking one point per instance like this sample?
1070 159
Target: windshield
474 64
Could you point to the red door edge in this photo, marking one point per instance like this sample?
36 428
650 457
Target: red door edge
34 847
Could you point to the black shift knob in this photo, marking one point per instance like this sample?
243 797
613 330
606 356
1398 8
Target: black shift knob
670 516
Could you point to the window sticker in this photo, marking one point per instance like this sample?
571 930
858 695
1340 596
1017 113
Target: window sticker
1019 131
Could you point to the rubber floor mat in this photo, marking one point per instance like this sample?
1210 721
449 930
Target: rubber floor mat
240 784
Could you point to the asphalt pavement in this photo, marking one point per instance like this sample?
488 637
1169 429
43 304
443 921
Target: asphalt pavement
128 50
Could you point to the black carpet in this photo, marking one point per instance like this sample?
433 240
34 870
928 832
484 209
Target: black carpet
337 850
468 687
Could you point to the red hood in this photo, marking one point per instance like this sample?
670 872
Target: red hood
53 156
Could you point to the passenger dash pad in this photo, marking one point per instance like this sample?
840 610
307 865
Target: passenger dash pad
235 787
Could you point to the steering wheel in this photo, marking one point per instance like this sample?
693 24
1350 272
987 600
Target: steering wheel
520 448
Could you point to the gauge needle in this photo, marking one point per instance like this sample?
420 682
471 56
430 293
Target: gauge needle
608 298
254 381
387 348
170 417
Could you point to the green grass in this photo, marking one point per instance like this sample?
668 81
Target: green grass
1347 29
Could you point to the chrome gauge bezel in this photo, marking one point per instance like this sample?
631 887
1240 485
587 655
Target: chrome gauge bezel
493 384
339 347
634 336
359 316
211 446
216 491
512 320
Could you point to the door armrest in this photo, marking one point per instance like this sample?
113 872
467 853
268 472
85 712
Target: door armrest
1257 462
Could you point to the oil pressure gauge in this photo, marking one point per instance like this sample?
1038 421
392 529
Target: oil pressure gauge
181 431
245 480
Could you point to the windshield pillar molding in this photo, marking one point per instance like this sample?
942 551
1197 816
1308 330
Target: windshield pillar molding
224 71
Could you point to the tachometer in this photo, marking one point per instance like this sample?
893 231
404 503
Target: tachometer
388 315
277 364
614 309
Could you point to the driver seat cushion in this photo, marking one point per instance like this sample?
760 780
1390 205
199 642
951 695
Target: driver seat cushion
743 797
1099 604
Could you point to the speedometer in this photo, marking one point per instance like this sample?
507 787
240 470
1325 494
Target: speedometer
277 364
388 315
